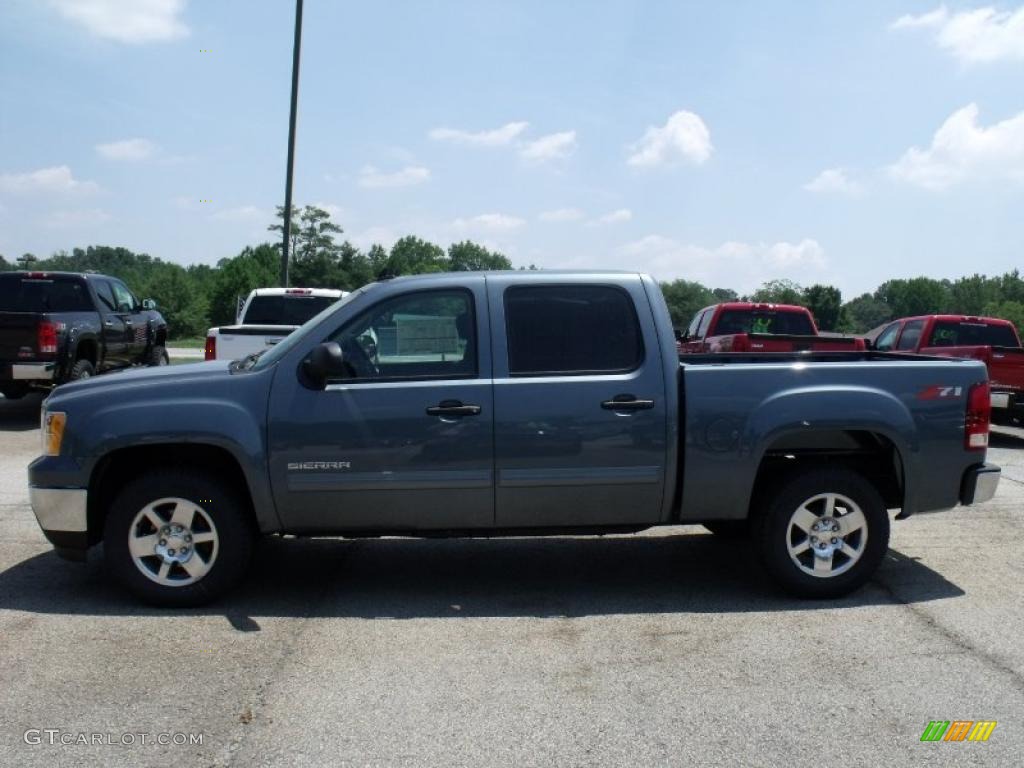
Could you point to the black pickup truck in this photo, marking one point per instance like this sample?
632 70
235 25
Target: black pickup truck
57 327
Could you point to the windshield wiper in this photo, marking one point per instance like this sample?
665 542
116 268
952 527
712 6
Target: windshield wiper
246 362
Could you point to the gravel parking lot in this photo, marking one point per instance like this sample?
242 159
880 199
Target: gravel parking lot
663 648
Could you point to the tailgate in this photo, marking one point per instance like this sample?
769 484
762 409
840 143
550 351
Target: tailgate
1006 367
773 342
237 341
18 330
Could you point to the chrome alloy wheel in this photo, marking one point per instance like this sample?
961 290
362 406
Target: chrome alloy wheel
827 535
173 542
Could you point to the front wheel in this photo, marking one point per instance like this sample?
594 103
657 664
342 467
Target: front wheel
178 539
824 533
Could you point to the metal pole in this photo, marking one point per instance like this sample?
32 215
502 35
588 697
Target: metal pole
291 146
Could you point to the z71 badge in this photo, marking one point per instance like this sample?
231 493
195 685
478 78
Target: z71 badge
302 466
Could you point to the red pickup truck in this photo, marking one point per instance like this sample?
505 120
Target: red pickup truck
739 326
989 339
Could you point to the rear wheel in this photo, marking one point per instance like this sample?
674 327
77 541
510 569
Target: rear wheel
157 356
823 533
82 369
177 539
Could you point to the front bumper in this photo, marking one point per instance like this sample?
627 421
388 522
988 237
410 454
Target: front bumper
62 514
28 371
979 484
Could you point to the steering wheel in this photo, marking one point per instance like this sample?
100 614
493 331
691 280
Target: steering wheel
356 356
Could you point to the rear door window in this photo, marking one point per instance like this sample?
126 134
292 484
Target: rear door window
571 330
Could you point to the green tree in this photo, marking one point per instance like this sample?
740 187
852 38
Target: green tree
864 313
1007 310
467 255
313 257
970 295
413 256
685 298
916 296
779 292
825 303
236 277
27 261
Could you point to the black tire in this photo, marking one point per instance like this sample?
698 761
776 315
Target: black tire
775 530
157 356
231 522
82 369
729 529
14 391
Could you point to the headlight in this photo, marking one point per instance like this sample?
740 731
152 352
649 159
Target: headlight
53 431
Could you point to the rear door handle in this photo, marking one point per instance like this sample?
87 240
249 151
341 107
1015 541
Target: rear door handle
627 403
453 408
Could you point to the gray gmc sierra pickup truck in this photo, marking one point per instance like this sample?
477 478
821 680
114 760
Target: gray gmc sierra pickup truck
515 403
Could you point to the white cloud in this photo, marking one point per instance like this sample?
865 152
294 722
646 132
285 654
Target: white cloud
561 214
241 213
489 222
554 146
614 217
962 149
972 36
684 136
837 181
57 179
127 149
127 21
739 265
80 218
497 137
371 178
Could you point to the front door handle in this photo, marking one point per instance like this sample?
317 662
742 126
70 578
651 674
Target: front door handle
627 403
452 408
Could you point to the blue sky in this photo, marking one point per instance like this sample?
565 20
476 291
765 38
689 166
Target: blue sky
731 143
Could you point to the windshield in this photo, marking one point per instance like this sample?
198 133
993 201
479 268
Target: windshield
285 310
764 321
49 294
282 348
952 334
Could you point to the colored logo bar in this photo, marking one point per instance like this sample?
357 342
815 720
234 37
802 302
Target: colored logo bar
958 730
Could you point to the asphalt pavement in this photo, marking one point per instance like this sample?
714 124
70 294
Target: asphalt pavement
662 648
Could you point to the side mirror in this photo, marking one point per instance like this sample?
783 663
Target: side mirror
679 334
148 304
325 362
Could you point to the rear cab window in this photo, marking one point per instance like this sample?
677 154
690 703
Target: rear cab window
571 330
285 310
948 333
765 321
45 293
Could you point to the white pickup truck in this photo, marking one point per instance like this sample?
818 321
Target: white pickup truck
266 317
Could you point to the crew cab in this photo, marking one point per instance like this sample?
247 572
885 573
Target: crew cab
740 326
506 403
266 317
57 327
993 341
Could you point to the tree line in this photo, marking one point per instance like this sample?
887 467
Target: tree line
196 297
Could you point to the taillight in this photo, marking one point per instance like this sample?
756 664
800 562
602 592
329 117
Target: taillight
46 338
211 347
978 417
